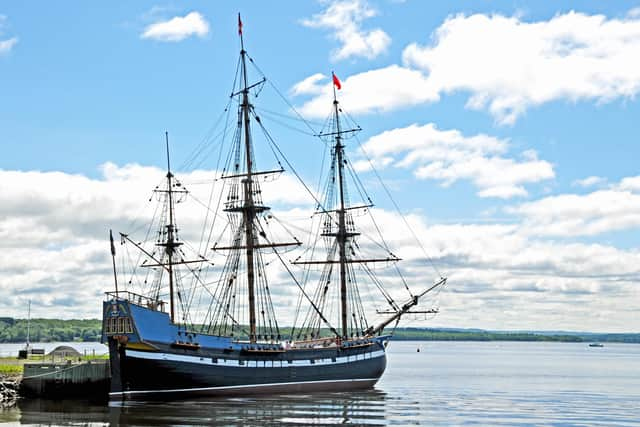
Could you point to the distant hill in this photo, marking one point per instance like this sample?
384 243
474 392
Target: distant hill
49 330
452 334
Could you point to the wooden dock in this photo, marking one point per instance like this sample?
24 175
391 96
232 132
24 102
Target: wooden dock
86 379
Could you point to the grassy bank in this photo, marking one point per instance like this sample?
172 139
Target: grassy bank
12 366
10 369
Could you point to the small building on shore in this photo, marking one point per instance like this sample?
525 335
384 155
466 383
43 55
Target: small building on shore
64 351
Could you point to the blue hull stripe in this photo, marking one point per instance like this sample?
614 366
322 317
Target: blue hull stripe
234 363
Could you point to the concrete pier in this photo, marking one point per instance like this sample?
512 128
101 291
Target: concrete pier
53 380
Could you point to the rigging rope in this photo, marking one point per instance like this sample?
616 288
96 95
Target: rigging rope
304 293
286 101
395 205
295 172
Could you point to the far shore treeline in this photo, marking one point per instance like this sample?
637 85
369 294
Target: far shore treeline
49 330
56 330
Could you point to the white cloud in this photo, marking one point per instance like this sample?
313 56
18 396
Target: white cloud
508 65
493 269
570 215
7 45
310 85
177 28
634 13
504 192
449 156
54 229
384 89
630 183
589 181
345 18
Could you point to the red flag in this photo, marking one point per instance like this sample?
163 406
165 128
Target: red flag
239 25
336 82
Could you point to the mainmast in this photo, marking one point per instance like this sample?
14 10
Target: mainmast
249 211
248 234
342 230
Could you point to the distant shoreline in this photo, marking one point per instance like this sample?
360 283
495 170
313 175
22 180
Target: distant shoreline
507 337
89 330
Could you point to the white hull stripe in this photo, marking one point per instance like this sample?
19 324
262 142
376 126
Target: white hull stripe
234 363
239 387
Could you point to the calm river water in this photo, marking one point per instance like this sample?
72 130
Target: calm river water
445 384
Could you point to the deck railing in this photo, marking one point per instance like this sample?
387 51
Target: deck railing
137 299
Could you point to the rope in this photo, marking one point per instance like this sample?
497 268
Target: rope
286 101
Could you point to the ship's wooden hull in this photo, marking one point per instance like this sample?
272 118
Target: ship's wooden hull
164 374
150 357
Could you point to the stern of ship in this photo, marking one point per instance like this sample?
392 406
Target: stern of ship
129 321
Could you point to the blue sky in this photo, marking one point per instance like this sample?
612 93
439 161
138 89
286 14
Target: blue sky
509 129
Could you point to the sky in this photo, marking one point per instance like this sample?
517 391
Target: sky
506 131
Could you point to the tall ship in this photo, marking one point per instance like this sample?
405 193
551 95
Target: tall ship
205 318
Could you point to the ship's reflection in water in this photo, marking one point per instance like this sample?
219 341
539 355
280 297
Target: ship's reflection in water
361 408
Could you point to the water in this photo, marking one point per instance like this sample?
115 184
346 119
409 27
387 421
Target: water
446 383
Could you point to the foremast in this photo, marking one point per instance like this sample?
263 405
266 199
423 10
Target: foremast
338 212
340 228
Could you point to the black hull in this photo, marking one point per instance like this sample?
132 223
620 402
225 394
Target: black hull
169 374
